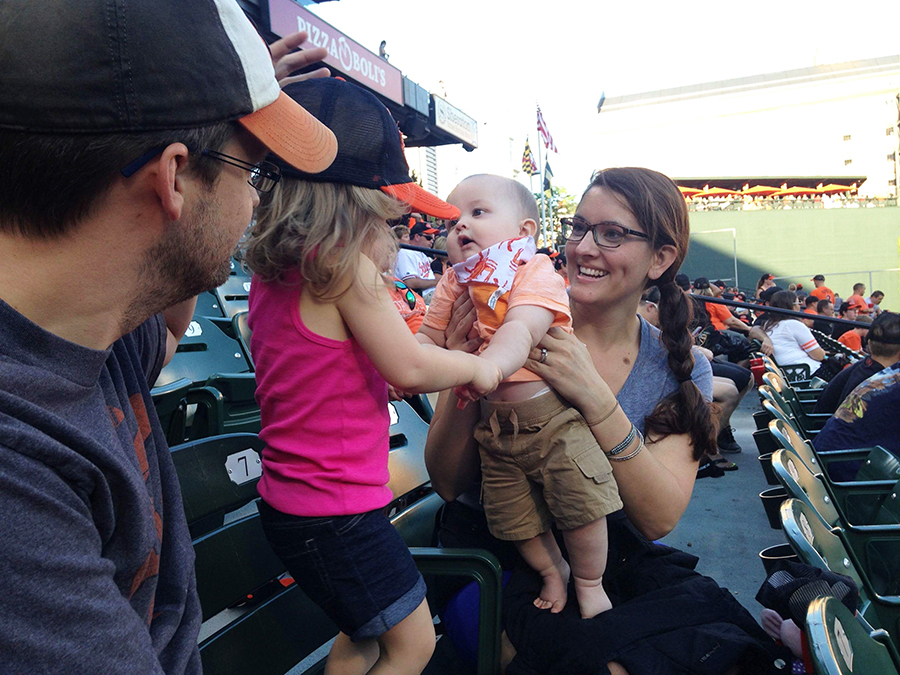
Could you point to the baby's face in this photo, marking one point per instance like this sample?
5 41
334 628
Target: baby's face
488 215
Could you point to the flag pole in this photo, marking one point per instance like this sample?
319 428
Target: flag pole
541 186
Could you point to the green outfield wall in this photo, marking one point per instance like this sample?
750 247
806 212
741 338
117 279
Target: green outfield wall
798 244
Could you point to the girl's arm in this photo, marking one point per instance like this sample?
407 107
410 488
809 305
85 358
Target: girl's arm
655 485
523 327
371 317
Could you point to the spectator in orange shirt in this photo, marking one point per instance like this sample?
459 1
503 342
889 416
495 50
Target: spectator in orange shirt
857 300
720 316
821 291
811 302
852 339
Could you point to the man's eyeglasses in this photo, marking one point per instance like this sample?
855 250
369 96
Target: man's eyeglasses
263 176
606 235
408 295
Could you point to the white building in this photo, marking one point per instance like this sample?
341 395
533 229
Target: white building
834 120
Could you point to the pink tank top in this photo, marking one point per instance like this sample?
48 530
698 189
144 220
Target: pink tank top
324 409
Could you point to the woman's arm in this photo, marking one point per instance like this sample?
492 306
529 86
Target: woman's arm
451 453
656 484
736 324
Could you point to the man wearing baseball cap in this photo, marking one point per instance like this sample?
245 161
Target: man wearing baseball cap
821 291
414 267
129 132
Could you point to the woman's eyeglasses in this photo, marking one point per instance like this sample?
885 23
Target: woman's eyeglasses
606 235
408 295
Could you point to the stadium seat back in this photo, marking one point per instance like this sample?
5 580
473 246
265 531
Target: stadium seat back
205 349
170 401
840 645
802 484
243 333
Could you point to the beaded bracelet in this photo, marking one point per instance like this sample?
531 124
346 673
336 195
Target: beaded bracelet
605 417
631 454
620 448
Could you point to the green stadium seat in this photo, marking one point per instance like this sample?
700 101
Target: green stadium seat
839 644
225 404
171 408
204 350
208 305
241 328
234 294
869 555
271 625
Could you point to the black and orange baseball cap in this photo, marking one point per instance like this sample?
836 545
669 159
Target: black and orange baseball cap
131 66
370 147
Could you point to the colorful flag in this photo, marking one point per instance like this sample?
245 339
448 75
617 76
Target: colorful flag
545 133
548 174
529 166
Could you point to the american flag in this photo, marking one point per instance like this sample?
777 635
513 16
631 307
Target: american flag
529 166
545 133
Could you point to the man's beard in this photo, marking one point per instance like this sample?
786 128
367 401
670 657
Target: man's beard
187 262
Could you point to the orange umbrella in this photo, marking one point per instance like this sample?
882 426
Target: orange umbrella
760 190
834 188
796 191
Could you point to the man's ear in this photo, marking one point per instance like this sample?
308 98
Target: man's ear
527 228
169 180
662 260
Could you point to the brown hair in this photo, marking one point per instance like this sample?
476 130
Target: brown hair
659 207
51 182
780 300
321 229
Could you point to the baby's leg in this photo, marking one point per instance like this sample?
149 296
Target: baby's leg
587 546
543 555
407 647
351 658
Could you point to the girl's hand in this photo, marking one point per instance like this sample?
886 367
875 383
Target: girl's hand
287 61
487 378
460 333
569 369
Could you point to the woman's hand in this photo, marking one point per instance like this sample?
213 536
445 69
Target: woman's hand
287 61
569 369
460 333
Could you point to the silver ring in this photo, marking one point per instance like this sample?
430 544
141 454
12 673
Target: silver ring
543 358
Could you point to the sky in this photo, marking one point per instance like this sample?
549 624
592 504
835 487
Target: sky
495 60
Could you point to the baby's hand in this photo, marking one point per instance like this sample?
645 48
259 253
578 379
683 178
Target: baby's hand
487 379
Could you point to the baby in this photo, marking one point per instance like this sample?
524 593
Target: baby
538 456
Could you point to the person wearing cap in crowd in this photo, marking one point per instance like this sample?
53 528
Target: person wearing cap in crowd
857 300
326 337
810 301
884 352
874 303
848 312
821 291
127 183
720 316
414 267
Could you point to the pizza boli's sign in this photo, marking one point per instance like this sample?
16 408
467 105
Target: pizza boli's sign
344 54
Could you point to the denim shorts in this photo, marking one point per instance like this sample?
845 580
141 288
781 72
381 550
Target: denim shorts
357 568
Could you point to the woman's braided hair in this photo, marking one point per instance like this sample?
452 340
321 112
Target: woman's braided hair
659 207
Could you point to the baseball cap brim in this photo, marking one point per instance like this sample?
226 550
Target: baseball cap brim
421 200
292 133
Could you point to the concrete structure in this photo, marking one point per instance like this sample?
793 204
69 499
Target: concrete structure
834 120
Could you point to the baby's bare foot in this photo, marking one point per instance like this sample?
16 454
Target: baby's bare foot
592 598
554 591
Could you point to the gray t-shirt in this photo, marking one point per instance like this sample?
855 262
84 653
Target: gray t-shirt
651 380
96 564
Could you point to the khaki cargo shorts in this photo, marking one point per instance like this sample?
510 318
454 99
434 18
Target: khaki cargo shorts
539 459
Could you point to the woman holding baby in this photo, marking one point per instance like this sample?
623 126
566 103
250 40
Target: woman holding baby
630 232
